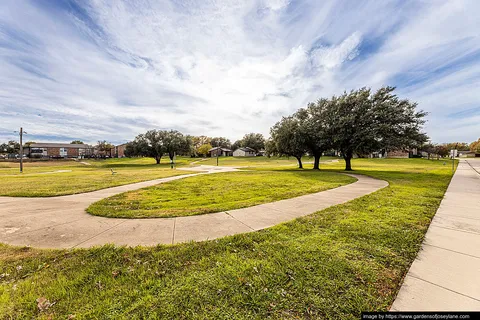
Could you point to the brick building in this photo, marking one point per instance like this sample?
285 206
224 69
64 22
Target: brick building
58 150
120 150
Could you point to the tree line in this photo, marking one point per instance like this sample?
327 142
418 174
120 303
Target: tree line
201 144
358 122
156 143
475 146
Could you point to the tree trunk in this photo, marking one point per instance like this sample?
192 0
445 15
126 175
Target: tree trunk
171 155
157 158
300 166
348 161
316 162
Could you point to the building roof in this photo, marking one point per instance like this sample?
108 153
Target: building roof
246 149
216 148
60 145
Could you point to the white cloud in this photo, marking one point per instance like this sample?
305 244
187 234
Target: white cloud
331 57
276 4
111 70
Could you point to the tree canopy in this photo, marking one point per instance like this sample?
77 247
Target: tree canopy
314 124
237 144
104 146
361 122
356 122
176 143
11 146
442 150
287 139
460 146
203 149
28 143
156 143
221 142
256 141
475 146
76 142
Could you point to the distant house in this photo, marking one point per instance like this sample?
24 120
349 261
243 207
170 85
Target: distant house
400 153
244 152
58 150
120 150
220 152
468 154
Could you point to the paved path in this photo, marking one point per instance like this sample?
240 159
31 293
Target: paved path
61 222
446 273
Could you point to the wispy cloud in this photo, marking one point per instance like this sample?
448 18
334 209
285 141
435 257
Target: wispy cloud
112 69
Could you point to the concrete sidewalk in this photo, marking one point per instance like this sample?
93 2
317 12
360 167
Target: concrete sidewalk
445 276
61 222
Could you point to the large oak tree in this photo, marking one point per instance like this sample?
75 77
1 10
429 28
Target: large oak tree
156 143
287 138
256 141
314 124
362 122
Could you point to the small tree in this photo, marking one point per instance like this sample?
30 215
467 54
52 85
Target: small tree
430 149
475 146
76 142
104 147
287 138
203 150
442 150
270 148
197 142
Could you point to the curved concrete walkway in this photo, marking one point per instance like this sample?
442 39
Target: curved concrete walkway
61 222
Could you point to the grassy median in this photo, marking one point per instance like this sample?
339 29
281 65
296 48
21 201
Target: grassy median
55 178
216 193
329 265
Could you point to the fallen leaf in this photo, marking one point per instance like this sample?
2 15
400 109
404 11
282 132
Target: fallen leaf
43 304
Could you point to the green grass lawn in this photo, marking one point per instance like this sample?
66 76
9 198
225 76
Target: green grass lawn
261 162
329 265
215 193
41 179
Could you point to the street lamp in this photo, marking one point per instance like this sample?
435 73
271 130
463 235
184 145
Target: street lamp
21 133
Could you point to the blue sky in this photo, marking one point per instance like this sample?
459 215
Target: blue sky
96 70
